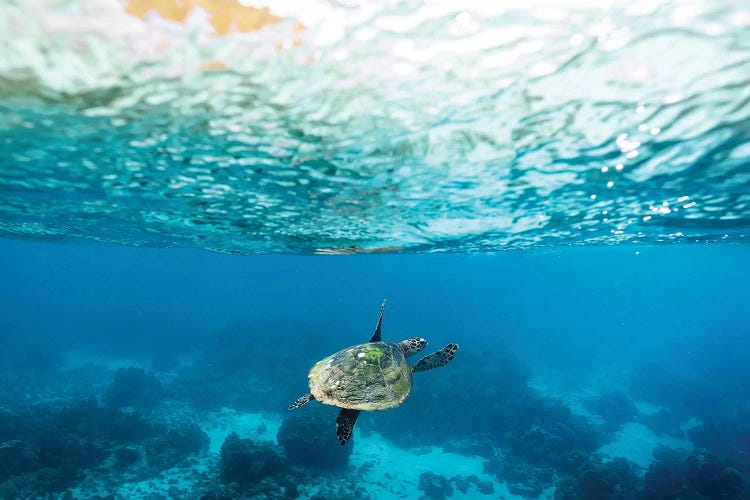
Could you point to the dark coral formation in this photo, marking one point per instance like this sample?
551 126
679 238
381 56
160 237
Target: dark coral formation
666 474
434 486
168 449
308 437
663 423
47 450
254 469
687 395
438 487
463 483
615 480
615 408
126 457
522 477
528 440
552 435
677 474
134 387
674 474
726 437
245 462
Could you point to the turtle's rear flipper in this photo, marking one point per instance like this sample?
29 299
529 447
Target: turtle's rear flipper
304 399
345 424
436 359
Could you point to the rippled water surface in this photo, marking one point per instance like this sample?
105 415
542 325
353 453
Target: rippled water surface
381 126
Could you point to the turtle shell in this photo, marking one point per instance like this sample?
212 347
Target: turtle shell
372 376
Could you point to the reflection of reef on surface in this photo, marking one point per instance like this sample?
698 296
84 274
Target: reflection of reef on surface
225 17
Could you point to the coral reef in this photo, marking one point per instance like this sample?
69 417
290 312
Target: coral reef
46 450
552 435
528 440
126 457
726 437
686 395
167 450
663 422
143 434
245 462
713 478
522 477
308 437
435 487
615 480
615 408
677 474
438 487
666 474
431 421
134 387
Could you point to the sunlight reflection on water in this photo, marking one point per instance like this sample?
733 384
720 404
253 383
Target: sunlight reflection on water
339 128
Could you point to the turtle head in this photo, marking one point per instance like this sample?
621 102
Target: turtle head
412 346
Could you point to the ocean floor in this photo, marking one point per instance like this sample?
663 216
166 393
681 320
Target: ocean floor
637 443
390 472
177 451
633 440
395 471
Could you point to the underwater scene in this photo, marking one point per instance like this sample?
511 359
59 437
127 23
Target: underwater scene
330 249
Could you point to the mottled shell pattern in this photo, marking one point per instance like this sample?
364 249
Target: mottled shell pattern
372 376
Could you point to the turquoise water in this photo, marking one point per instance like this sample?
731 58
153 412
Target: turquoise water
515 127
583 170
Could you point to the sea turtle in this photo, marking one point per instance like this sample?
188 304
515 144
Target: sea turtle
372 376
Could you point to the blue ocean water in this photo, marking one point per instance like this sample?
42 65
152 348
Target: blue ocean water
201 199
565 354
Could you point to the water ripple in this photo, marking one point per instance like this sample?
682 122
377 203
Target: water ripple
395 126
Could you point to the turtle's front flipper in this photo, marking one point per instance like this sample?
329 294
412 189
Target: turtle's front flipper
440 358
304 399
376 336
345 424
